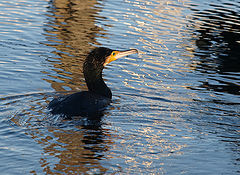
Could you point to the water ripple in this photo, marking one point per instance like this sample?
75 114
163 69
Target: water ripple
175 105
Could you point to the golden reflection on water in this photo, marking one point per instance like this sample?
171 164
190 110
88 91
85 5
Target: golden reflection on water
71 30
77 151
160 28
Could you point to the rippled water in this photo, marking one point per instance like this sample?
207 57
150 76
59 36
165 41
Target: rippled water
176 105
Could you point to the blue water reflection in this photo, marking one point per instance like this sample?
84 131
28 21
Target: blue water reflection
175 105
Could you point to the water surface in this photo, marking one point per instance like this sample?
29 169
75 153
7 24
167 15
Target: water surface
176 105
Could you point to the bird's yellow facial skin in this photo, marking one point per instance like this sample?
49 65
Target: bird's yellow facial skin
111 58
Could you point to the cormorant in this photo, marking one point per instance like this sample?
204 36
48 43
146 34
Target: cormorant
90 103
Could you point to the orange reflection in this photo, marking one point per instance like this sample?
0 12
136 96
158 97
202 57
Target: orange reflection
71 30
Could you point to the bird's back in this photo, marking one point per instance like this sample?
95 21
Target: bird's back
85 104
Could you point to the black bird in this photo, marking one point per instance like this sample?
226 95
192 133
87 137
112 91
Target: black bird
90 103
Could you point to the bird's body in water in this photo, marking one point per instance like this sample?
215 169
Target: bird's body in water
90 103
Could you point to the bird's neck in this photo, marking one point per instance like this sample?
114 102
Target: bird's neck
95 82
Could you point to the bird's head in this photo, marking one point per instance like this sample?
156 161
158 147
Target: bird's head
101 56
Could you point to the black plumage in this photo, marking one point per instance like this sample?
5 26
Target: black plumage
90 103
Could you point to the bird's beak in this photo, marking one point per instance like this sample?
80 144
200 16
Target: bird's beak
119 54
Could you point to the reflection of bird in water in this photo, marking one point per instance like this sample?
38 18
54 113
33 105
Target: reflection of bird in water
92 102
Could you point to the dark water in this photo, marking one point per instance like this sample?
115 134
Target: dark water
176 105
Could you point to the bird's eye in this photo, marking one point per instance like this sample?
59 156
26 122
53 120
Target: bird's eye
113 54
